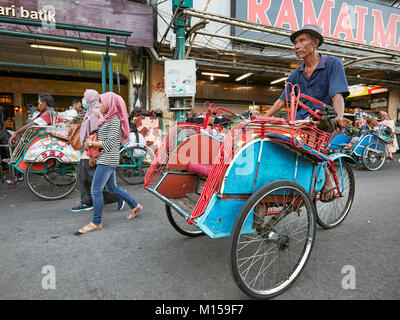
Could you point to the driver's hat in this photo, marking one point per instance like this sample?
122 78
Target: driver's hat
310 29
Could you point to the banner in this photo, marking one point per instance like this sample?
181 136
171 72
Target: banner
356 21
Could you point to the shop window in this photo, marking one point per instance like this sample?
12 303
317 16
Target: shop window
61 103
6 98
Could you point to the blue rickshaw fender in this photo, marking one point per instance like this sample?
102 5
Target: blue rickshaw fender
345 157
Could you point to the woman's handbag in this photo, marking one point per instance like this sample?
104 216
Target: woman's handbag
93 152
74 136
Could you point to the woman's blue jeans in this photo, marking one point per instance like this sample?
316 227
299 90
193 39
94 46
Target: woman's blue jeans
104 176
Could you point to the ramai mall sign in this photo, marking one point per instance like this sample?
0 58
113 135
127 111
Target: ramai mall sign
357 21
21 12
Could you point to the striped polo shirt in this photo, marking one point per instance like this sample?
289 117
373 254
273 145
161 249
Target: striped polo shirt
110 135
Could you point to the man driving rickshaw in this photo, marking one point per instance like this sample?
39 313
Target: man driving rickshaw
46 111
321 77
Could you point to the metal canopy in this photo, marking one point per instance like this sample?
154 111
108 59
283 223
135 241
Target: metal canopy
18 58
223 45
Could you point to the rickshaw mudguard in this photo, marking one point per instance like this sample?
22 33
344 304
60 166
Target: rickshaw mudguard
51 147
345 157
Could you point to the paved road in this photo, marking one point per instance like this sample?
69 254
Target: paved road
146 259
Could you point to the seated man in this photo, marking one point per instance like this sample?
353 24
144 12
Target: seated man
320 77
371 124
73 111
46 111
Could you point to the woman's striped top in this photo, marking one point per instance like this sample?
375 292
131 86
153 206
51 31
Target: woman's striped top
110 136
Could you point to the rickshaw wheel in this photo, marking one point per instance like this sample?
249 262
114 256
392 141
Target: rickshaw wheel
136 171
55 181
330 214
272 239
180 224
374 155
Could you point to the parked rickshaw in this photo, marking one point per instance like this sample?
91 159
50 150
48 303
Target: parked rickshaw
46 161
258 185
48 164
370 149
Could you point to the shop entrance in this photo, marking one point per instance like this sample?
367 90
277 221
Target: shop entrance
7 108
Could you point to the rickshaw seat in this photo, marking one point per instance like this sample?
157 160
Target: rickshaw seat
196 150
310 150
200 169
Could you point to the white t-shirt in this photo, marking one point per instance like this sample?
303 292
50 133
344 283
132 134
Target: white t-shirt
69 114
133 142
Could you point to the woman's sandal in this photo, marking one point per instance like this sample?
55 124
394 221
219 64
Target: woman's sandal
134 212
90 227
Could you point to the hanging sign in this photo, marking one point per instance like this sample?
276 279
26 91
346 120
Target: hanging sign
180 78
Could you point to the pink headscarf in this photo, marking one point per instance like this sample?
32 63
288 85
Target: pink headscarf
114 106
92 115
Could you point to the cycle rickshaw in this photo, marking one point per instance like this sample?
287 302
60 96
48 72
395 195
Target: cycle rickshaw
46 161
259 185
369 150
48 164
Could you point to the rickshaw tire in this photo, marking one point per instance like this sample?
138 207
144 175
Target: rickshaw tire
175 225
343 215
364 160
120 170
241 218
42 197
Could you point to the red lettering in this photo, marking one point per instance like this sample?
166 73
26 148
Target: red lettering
361 12
287 15
382 36
257 11
343 24
324 18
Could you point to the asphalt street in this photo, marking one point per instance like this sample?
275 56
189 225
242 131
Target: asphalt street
147 259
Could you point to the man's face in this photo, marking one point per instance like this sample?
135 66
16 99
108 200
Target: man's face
77 106
41 105
304 45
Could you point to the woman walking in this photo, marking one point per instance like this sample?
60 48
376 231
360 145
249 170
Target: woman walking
91 104
113 129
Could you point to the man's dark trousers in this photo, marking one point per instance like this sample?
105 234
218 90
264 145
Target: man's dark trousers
85 178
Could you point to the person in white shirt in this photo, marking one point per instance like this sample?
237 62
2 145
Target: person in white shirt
136 138
73 110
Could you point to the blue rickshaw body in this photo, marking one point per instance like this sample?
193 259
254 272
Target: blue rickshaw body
253 166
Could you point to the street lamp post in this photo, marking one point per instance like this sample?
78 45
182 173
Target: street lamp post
137 76
180 25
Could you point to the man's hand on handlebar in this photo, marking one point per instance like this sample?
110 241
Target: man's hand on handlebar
12 139
341 123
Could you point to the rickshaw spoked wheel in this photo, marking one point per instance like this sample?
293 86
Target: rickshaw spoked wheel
180 224
272 239
331 214
133 170
374 155
54 180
